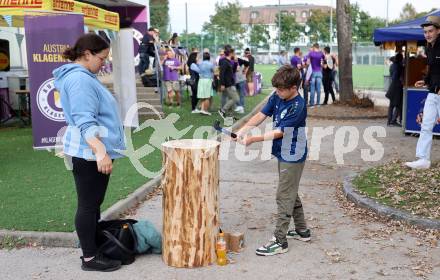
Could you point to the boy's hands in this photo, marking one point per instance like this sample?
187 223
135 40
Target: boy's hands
247 140
242 138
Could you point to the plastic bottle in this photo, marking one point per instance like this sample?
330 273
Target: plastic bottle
221 249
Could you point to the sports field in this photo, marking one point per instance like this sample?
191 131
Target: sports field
364 76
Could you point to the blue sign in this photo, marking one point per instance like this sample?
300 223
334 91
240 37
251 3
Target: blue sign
415 101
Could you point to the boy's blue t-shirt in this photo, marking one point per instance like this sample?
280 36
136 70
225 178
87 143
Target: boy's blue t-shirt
289 117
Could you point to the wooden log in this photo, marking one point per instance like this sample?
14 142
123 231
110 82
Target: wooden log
190 202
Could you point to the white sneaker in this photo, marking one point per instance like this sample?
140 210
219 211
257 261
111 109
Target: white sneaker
195 111
238 109
419 164
203 112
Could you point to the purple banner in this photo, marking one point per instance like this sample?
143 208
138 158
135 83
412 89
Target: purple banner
139 29
132 14
136 18
47 36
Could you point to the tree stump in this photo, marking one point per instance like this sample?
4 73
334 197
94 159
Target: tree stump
190 202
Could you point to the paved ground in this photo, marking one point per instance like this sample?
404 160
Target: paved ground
343 246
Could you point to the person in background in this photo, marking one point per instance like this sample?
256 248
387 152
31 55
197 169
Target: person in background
93 137
194 80
296 62
240 82
171 67
307 74
174 41
282 59
335 76
316 58
431 110
146 49
329 65
227 84
221 55
250 71
204 91
395 91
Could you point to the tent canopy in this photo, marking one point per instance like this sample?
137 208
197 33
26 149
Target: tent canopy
94 17
405 31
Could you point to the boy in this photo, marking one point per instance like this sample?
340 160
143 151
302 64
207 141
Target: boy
290 148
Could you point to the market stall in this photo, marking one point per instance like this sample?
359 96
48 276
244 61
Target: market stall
407 37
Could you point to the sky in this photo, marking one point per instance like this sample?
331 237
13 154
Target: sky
200 10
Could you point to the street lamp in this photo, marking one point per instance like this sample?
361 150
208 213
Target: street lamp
279 26
331 24
388 7
201 41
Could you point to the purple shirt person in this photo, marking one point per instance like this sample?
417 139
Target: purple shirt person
296 60
170 71
315 56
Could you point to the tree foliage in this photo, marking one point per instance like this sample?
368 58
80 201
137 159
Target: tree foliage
290 30
259 36
318 23
225 23
159 16
408 12
363 24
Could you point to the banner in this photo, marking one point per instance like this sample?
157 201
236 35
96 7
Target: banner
139 29
94 17
47 36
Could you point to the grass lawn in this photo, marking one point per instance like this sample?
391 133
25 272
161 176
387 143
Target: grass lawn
364 76
416 191
38 193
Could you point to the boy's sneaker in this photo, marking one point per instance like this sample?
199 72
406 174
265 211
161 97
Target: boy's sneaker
272 248
303 235
195 111
239 110
100 263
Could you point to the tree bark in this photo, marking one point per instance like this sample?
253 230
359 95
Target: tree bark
345 50
190 202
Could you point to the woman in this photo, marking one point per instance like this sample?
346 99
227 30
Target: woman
204 90
327 75
93 136
174 41
395 91
194 80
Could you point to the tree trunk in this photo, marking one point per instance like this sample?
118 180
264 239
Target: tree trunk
190 202
345 50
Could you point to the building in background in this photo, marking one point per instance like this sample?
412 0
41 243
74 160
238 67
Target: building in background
267 15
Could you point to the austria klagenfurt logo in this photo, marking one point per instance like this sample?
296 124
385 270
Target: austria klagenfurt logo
49 101
138 37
